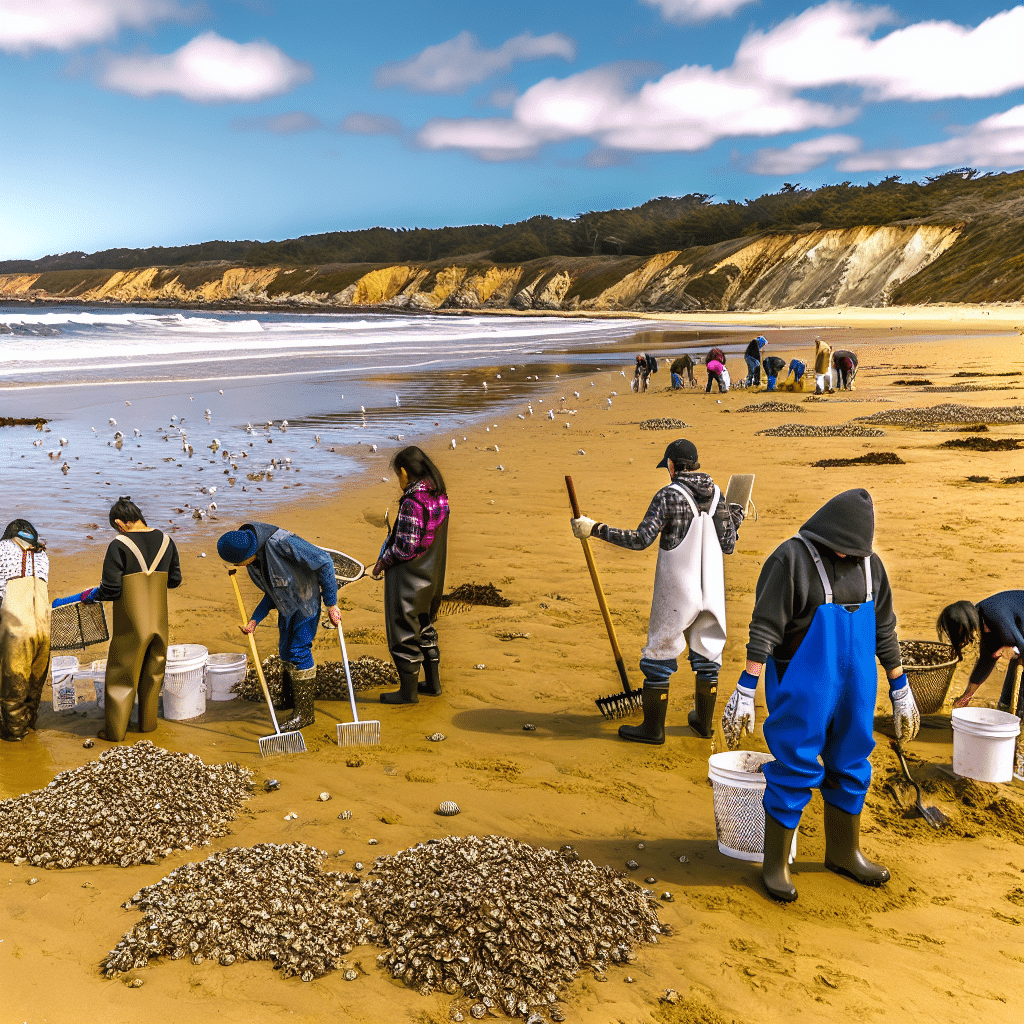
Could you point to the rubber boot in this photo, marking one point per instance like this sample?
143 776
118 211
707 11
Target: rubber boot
652 729
407 688
287 698
778 842
304 689
702 719
1009 688
842 848
431 685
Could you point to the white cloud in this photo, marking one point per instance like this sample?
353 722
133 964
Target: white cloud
696 10
832 45
295 122
27 25
996 141
371 124
454 66
802 156
208 69
685 110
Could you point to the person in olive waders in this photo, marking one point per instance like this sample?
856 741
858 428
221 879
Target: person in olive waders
24 628
141 564
293 575
688 607
823 612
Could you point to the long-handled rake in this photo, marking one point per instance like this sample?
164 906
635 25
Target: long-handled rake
630 701
279 742
354 733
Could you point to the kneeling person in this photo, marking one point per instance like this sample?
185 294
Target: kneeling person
294 575
696 527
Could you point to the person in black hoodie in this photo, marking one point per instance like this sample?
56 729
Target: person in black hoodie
696 527
752 357
998 625
822 613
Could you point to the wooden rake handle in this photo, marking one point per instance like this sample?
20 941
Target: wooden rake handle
598 589
252 647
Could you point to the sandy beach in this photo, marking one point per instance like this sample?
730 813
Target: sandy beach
941 941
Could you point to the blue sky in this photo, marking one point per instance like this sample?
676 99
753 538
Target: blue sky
163 122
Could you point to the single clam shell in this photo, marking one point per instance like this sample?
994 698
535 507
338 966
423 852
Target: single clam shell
447 808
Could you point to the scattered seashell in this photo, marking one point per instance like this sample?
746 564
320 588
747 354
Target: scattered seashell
270 785
683 859
447 808
371 842
478 1011
351 974
340 853
480 668
650 881
632 865
529 727
668 897
639 846
437 737
358 865
628 980
345 815
324 797
32 881
88 744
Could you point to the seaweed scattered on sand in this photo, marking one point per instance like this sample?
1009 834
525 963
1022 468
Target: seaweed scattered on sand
984 444
22 421
478 593
870 459
912 383
979 479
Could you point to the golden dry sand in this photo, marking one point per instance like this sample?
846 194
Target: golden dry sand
942 941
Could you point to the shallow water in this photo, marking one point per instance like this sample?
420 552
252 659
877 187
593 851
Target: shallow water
164 379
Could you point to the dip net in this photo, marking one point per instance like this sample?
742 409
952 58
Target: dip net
77 625
346 568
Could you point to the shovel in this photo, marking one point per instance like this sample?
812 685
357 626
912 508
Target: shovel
279 742
630 701
932 815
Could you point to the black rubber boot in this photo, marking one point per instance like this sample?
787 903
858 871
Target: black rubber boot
778 841
702 719
1009 690
407 688
431 685
652 730
287 699
304 688
842 849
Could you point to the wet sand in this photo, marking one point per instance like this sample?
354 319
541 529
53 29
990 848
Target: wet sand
941 940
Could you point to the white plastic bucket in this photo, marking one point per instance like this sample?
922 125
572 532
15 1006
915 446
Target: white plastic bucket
184 691
96 674
738 788
983 743
222 672
62 677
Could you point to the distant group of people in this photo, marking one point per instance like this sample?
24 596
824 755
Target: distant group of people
831 370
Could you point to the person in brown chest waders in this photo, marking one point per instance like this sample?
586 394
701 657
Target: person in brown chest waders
140 566
24 628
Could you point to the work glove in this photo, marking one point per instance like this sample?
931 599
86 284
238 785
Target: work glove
906 719
739 715
583 527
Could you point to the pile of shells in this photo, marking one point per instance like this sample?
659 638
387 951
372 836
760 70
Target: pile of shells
366 672
663 423
265 902
131 806
501 921
512 634
943 414
771 406
835 430
970 387
478 593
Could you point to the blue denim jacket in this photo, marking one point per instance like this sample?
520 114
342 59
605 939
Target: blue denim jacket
292 573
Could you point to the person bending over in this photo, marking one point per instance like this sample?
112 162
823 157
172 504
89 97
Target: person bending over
696 527
822 613
845 363
773 366
682 370
752 357
716 375
822 367
998 625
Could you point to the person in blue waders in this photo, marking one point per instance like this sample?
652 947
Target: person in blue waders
823 612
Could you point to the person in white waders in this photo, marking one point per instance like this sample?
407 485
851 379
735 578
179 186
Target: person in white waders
823 612
140 565
688 608
24 628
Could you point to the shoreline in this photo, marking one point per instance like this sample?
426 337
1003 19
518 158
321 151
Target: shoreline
734 953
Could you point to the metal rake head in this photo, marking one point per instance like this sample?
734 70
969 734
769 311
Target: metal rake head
620 705
358 734
282 743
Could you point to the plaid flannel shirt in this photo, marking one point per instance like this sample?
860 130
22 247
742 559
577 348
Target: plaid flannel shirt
420 513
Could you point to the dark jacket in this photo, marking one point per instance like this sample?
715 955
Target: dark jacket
754 350
773 365
789 590
291 572
1003 614
121 561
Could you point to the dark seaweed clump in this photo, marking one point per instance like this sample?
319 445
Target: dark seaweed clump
871 459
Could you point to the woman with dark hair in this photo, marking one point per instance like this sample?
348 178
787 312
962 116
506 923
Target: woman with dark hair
997 623
413 562
140 565
24 628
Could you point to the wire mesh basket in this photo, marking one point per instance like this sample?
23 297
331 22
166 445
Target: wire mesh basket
929 667
77 625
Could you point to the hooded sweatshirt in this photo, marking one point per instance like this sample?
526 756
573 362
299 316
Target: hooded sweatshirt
789 590
670 516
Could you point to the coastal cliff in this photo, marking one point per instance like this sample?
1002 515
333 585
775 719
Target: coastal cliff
863 266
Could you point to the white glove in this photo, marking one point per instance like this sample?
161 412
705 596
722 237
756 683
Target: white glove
906 719
583 527
739 716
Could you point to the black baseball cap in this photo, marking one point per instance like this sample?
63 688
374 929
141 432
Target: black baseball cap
680 451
